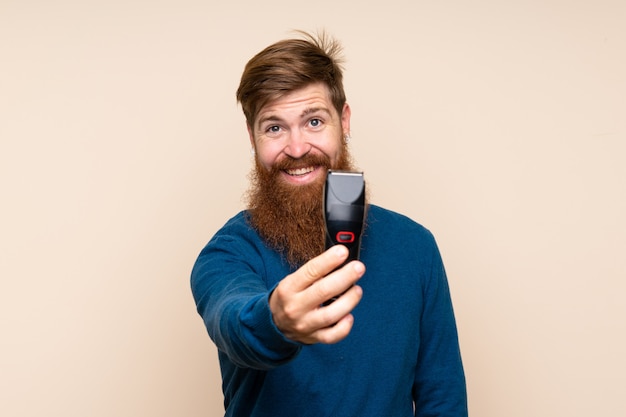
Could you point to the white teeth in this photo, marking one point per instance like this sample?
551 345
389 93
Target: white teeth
300 171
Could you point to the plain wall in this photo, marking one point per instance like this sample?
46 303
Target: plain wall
499 125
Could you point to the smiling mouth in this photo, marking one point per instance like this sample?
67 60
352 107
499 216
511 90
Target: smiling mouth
297 172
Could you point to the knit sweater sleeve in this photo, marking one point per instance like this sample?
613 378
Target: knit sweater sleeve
439 389
232 296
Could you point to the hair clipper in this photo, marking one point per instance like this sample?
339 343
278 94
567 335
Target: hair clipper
344 211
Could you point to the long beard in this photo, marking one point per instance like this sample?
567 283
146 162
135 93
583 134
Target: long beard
290 217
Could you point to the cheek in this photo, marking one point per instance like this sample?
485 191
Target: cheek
266 156
333 150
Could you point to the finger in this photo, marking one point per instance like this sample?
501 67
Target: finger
335 284
330 314
336 333
306 328
321 318
317 268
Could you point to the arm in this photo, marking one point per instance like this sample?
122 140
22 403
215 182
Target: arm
261 327
439 388
233 300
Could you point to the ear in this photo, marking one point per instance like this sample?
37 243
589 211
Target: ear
251 135
345 119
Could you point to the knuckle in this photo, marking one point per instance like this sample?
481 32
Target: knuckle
300 328
311 269
279 292
291 311
324 338
322 289
328 317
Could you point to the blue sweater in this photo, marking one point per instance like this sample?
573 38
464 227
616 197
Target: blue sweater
401 358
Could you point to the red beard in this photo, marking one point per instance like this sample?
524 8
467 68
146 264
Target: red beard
290 217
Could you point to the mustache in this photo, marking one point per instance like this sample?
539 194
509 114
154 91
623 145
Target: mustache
303 162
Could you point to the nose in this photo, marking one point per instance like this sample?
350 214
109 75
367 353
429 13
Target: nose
297 145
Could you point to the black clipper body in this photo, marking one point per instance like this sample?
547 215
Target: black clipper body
344 210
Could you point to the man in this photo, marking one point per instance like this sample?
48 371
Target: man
388 345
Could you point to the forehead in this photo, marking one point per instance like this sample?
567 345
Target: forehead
298 103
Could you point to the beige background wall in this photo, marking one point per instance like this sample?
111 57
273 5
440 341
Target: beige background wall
500 125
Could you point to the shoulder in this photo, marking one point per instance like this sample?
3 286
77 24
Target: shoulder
237 228
385 220
238 243
236 237
239 222
395 236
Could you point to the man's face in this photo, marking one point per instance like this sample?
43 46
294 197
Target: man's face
297 139
292 133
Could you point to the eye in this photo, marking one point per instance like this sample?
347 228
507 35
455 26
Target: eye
315 122
273 129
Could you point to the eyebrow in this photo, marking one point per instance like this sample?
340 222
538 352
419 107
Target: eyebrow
310 110
270 118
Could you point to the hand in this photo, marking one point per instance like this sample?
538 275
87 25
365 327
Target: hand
296 303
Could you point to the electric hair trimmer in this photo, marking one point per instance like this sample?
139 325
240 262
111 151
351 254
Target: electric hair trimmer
344 212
